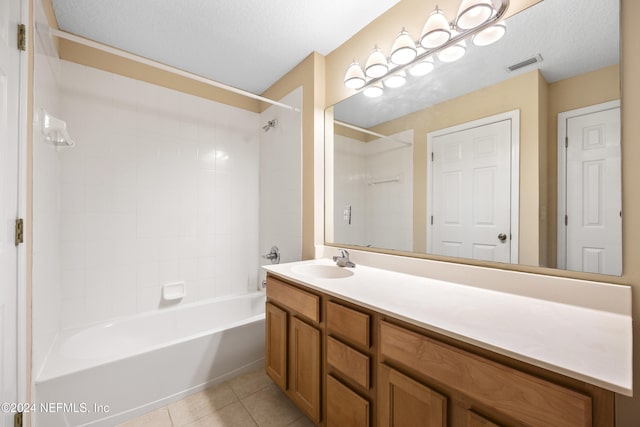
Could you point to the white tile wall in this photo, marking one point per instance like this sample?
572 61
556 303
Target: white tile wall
281 181
350 186
381 215
161 187
47 258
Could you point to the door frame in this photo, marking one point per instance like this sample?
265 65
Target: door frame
561 210
24 204
514 116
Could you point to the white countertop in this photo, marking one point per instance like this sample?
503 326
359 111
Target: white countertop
592 345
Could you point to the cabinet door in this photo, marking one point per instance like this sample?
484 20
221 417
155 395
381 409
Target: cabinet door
345 408
304 367
405 402
475 420
276 345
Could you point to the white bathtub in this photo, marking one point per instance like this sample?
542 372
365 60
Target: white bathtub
108 373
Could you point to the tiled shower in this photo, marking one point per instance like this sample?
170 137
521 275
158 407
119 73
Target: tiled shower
161 187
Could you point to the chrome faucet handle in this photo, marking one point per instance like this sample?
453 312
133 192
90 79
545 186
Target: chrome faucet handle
273 255
343 259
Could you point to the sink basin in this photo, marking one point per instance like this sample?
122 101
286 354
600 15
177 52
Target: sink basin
322 271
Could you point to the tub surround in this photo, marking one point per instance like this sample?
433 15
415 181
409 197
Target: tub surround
590 341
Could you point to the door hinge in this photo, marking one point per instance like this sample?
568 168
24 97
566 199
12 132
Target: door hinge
431 219
566 220
432 156
19 231
566 142
17 420
22 37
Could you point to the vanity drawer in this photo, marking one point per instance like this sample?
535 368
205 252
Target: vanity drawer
348 361
344 407
348 323
305 303
528 399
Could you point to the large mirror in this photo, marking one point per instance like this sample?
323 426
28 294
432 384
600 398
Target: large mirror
510 154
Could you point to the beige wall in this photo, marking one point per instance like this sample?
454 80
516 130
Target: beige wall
628 409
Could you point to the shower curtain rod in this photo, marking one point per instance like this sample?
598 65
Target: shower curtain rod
370 132
164 67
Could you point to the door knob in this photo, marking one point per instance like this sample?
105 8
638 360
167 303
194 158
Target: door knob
502 237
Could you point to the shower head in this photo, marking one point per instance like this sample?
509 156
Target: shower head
270 124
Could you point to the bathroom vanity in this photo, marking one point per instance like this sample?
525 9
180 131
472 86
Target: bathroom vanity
372 347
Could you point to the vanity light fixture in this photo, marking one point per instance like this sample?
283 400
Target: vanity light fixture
489 35
404 49
354 79
477 20
374 91
436 31
473 13
453 52
376 65
422 68
396 80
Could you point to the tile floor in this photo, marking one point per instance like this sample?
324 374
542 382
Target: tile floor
249 400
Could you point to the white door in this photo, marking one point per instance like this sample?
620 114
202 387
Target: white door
593 222
471 193
9 109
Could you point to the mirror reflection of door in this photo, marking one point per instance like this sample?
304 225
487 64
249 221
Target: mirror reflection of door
590 225
471 184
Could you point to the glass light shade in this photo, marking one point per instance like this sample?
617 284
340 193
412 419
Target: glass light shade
473 13
489 35
376 65
395 80
453 53
436 31
422 68
374 91
354 77
404 49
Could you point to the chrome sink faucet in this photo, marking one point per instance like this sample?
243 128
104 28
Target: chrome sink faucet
343 259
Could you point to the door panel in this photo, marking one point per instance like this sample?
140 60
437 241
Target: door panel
276 345
9 119
304 374
405 402
471 193
593 193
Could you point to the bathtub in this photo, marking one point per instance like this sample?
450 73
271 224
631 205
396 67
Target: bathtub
107 373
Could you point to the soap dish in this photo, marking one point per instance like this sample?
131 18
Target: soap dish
173 291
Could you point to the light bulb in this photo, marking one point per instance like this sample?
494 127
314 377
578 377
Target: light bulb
374 91
422 68
453 53
395 80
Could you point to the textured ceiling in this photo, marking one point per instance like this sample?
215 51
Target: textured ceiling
248 44
572 36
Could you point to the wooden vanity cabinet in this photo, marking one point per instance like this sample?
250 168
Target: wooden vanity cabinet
475 388
348 366
293 352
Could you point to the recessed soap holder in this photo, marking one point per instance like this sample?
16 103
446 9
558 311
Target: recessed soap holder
173 291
